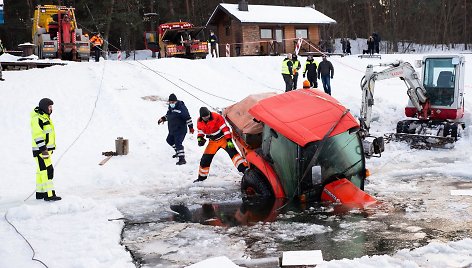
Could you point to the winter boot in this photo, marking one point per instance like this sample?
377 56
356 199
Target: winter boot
40 195
200 178
181 161
54 197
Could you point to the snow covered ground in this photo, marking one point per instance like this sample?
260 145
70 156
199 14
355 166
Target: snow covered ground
97 102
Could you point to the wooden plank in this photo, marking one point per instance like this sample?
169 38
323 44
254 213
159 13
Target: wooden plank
105 160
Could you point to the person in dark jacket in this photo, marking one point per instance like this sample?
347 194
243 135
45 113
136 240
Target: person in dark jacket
376 38
179 119
213 40
310 71
370 45
326 72
348 46
287 72
295 68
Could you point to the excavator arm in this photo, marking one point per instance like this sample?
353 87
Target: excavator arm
398 69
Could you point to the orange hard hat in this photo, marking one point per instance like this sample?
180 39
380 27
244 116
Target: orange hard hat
306 84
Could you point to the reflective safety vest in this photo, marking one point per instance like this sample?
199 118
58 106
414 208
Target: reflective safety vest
42 132
285 68
96 41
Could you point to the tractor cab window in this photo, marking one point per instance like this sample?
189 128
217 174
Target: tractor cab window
439 81
341 156
282 154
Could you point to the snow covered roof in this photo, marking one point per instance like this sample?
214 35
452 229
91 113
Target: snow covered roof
274 14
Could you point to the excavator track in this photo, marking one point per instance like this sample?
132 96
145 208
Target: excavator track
427 134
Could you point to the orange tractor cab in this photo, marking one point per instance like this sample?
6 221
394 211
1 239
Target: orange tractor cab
177 39
301 144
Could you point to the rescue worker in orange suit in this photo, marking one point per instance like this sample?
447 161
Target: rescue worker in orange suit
97 43
214 127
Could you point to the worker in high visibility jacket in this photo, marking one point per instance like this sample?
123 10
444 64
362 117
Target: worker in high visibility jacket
214 127
44 143
97 42
296 65
287 72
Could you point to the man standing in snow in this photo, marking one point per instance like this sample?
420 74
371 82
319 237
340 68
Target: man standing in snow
295 68
97 43
213 40
179 119
326 72
310 71
287 72
44 143
214 127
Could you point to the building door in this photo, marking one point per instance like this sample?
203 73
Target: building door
279 38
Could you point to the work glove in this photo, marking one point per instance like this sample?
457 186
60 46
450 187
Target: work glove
331 77
161 120
45 154
230 144
201 141
191 130
303 75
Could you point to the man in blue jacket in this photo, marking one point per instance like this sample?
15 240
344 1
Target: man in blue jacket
179 119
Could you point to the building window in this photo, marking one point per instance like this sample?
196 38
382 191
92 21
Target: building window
266 33
301 33
227 31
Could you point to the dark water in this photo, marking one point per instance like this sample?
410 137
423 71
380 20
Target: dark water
404 220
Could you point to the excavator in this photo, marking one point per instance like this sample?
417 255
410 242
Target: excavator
436 100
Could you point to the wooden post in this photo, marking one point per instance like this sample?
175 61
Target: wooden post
122 146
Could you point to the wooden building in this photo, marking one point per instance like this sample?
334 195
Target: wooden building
265 29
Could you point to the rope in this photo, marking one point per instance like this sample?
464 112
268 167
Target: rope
183 89
26 240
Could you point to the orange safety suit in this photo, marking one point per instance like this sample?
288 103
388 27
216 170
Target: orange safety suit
219 135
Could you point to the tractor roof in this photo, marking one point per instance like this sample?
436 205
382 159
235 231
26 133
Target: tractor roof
303 115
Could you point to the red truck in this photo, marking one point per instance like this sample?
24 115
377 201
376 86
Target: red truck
177 39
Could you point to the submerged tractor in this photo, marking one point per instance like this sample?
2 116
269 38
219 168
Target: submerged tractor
436 102
56 35
300 145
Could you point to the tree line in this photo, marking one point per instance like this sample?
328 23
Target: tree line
122 22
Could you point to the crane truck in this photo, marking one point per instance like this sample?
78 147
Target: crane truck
56 35
436 99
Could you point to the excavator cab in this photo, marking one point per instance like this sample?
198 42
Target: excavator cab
443 80
439 81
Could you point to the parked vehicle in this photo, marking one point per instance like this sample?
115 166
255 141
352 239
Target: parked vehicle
436 99
56 35
177 39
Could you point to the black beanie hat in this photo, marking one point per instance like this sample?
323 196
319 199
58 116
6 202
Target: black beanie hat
172 97
44 105
204 112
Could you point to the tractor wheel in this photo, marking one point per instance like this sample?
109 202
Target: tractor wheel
255 185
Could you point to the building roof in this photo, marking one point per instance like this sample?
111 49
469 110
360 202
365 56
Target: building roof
303 115
274 14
